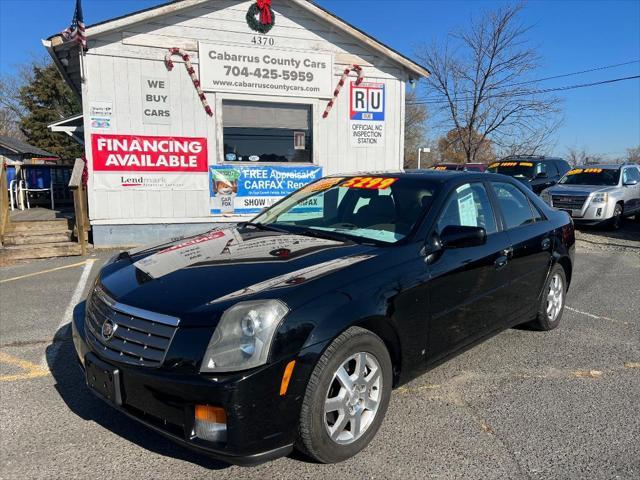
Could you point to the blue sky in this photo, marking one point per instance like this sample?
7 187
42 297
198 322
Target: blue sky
571 36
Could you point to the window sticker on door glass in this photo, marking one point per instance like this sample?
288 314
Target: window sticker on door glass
467 208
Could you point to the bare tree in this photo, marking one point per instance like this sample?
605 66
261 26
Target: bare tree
483 78
633 154
12 110
415 122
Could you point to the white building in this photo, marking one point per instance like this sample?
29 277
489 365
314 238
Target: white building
160 166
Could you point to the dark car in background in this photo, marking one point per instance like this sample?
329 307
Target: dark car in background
292 329
537 173
460 167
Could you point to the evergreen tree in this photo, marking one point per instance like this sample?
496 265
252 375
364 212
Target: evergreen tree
47 99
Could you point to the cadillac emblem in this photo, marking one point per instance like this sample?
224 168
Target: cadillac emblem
108 329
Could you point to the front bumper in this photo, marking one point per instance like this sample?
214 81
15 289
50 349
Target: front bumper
590 213
261 424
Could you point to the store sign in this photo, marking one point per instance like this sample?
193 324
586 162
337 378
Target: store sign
366 115
247 190
156 106
101 115
149 181
132 162
236 69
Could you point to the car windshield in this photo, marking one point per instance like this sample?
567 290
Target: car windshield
379 209
513 169
592 176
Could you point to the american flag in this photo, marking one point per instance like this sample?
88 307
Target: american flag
76 32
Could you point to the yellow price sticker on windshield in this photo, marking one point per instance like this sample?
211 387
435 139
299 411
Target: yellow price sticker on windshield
494 165
371 183
576 171
526 164
323 184
440 168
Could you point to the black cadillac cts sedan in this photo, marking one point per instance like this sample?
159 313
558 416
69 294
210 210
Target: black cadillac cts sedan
290 331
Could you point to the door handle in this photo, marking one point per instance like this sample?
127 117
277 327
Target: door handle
501 262
546 243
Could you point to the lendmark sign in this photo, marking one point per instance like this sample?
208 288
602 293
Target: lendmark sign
134 162
131 153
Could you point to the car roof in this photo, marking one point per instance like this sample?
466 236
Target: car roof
533 159
605 166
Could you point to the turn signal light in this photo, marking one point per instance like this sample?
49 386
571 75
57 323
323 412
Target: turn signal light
286 378
210 423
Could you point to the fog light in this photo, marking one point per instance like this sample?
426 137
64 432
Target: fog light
210 423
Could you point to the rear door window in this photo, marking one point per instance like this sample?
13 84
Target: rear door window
514 204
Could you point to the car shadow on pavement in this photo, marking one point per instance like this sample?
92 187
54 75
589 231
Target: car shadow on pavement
626 236
70 384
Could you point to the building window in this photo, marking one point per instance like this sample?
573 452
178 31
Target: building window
267 132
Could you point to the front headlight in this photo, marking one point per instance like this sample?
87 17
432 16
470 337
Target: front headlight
546 197
243 337
600 198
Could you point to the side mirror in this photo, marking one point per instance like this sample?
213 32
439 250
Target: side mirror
542 175
455 236
630 183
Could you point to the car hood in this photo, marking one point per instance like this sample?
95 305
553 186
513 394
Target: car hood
578 190
213 270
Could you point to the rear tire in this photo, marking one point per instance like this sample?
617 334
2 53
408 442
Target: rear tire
337 422
552 302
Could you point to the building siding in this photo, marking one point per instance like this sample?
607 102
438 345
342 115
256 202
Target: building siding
115 63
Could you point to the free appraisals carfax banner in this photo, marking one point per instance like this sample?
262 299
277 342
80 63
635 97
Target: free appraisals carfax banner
138 162
265 71
243 190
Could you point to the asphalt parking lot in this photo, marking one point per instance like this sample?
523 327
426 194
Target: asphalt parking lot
561 404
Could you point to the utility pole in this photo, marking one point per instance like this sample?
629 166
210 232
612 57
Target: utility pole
420 150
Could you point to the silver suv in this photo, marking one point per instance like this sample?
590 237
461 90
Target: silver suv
596 194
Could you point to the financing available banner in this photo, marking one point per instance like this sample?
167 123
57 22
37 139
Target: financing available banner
243 190
138 162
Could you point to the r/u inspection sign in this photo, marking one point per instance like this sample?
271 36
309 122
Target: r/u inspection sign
366 116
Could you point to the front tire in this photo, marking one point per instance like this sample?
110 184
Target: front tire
616 220
346 398
552 301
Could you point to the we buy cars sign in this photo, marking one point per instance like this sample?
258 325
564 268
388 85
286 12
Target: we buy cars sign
149 162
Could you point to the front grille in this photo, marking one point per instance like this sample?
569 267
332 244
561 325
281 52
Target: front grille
570 202
139 337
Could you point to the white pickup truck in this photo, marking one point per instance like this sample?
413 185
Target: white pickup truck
598 194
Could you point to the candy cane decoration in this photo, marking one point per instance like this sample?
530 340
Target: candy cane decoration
192 73
336 92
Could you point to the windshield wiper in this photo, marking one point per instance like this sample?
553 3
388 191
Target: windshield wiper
262 226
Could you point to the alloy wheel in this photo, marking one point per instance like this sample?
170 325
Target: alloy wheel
554 297
353 398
